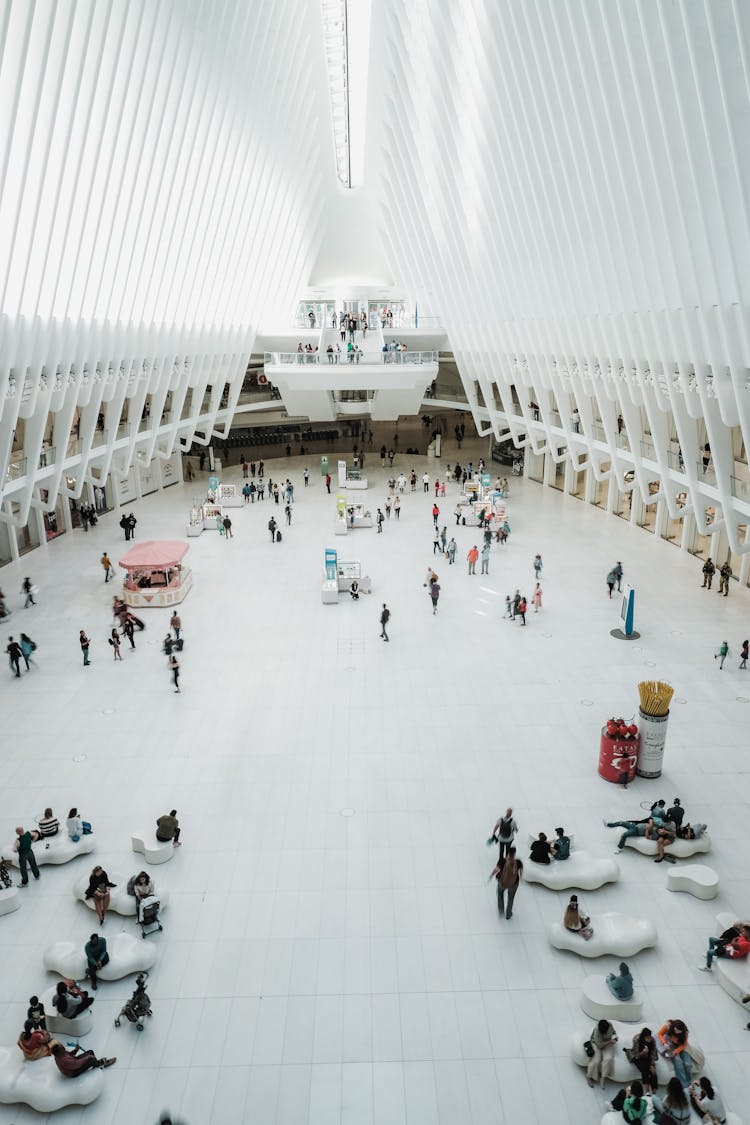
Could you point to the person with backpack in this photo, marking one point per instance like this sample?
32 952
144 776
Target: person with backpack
708 573
272 529
503 833
722 654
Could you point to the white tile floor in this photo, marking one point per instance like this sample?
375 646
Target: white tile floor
316 968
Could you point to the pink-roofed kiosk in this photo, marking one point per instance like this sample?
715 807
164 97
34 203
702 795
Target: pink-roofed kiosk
155 574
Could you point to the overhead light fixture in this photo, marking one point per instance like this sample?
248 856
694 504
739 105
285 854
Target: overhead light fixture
346 39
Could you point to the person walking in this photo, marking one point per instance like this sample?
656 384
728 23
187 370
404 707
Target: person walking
227 527
306 477
472 557
28 590
106 562
708 573
722 654
128 629
174 667
743 653
397 507
443 538
328 483
388 507
125 526
521 610
272 529
536 598
434 595
503 834
537 566
84 642
379 519
509 874
27 648
288 513
426 482
26 856
132 521
611 579
385 616
452 547
114 640
435 514
618 575
14 656
436 541
485 569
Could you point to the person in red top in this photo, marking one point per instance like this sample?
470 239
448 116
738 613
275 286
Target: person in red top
75 1062
735 948
435 514
35 1043
472 556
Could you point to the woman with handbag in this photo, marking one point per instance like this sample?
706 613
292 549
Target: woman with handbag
603 1041
643 1055
98 891
576 921
674 1108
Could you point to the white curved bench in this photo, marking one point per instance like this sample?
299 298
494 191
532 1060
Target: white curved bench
733 976
61 1025
598 1002
613 1118
40 1084
9 900
695 879
126 956
623 1071
119 900
61 849
152 849
680 849
581 870
619 935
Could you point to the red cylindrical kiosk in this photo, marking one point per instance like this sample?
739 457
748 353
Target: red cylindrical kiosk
618 757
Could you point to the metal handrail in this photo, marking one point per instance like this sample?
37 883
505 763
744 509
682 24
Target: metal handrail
368 358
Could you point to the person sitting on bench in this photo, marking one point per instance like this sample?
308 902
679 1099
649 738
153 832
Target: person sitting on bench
168 828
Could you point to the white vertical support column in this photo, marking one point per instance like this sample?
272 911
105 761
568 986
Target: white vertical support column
12 536
636 508
745 564
38 515
549 469
570 479
715 543
613 496
688 530
591 486
661 518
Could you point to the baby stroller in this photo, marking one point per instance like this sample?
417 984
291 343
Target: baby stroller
139 1004
148 915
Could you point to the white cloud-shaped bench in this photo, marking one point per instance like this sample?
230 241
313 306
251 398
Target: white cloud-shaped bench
598 1002
623 1070
581 870
613 1118
61 1025
733 976
10 900
619 935
40 1084
695 879
152 849
119 899
127 955
680 849
61 849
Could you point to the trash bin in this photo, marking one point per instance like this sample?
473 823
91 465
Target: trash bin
618 757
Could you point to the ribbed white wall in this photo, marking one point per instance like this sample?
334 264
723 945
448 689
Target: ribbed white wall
160 171
567 182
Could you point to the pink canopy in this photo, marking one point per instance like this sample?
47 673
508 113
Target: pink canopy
155 554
